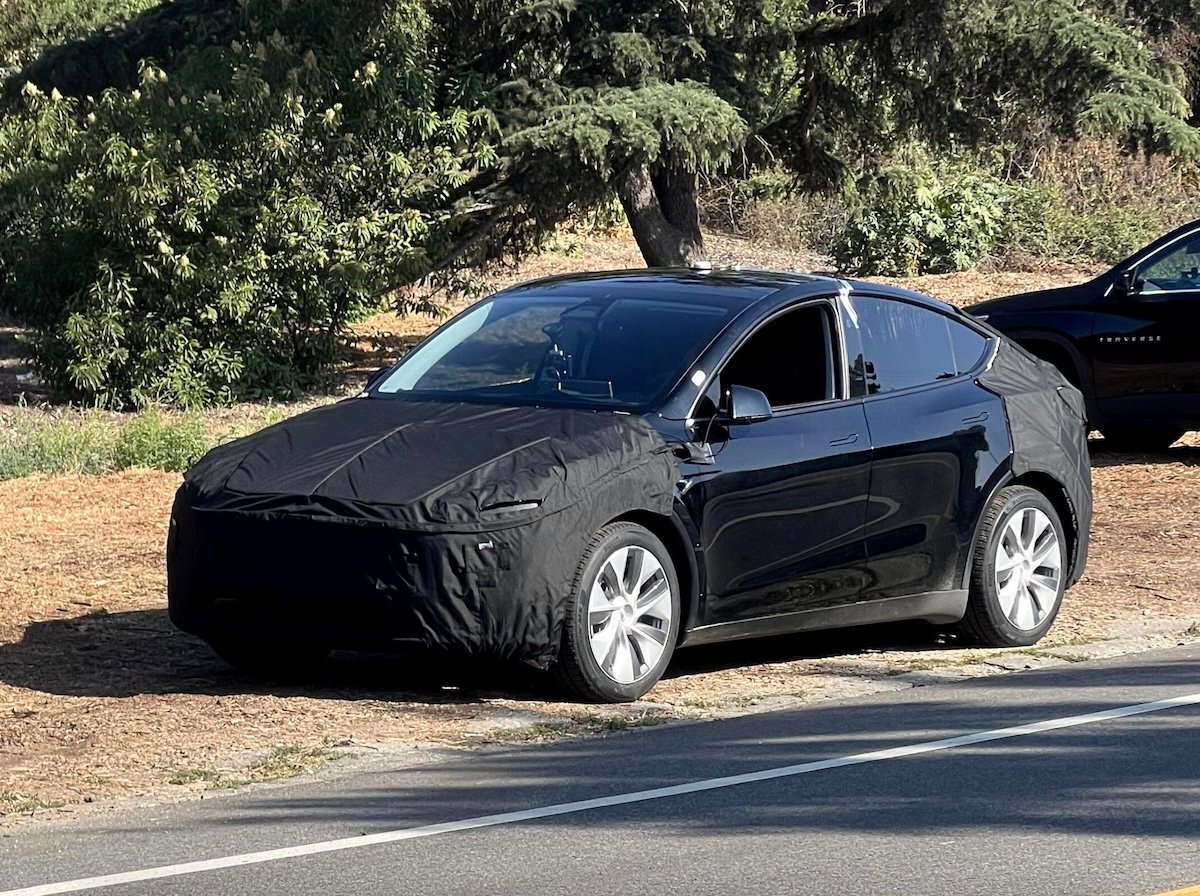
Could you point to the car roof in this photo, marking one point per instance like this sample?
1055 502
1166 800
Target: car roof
728 287
734 287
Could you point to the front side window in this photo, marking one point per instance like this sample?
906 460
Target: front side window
789 359
548 348
1177 267
906 345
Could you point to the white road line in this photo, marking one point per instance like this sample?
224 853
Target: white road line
620 799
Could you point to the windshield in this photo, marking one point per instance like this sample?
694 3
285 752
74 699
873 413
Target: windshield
602 351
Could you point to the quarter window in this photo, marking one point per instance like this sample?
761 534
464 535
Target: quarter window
968 345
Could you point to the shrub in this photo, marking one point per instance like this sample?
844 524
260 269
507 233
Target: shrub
90 442
73 443
914 220
151 441
207 236
1084 201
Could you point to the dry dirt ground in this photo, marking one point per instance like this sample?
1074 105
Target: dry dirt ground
100 699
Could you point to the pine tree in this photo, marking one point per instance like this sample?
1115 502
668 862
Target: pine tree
640 97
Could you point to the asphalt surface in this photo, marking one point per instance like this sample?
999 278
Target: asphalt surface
1098 807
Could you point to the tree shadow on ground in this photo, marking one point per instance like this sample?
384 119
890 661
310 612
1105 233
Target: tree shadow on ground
140 652
1066 785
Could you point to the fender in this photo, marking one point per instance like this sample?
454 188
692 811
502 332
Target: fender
1083 369
688 536
1007 478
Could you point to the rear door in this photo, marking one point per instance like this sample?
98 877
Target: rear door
781 509
938 438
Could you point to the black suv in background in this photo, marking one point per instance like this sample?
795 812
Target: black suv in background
1129 339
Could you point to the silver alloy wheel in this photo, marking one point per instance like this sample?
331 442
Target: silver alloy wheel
629 614
1029 562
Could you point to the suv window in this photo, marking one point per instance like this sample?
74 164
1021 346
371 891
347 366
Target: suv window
789 359
1177 267
906 346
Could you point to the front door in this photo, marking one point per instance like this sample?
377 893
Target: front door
1146 352
781 509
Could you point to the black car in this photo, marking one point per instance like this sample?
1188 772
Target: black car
584 473
1129 340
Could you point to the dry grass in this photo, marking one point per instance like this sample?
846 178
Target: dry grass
101 698
89 664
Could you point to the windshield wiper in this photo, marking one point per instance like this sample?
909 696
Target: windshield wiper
585 388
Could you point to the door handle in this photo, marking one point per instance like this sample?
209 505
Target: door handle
845 440
978 418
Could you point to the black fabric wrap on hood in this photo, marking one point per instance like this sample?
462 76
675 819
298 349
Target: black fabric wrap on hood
393 523
1047 421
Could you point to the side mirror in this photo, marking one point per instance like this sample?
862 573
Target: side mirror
1127 283
746 405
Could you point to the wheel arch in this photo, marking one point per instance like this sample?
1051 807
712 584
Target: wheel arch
671 531
1054 492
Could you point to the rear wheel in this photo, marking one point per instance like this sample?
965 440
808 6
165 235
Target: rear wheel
1020 571
1145 439
272 660
623 616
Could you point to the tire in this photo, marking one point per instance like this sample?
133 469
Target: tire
1013 604
286 660
1143 439
611 652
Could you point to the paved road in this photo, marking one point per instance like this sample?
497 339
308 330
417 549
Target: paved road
947 790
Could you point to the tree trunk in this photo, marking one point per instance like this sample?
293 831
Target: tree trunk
663 215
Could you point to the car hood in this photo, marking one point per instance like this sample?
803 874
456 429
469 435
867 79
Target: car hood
430 464
1042 299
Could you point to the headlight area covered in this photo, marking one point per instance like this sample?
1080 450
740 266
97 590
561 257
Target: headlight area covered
1047 423
396 525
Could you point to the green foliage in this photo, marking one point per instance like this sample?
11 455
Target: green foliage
70 444
26 26
90 442
1088 201
600 133
915 220
208 235
919 218
1045 224
201 227
151 441
590 96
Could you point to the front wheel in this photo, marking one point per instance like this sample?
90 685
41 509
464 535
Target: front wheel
622 618
1019 572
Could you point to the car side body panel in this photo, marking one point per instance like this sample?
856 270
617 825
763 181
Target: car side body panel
935 451
781 513
1146 360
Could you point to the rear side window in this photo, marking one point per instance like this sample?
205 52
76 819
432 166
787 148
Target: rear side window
907 345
